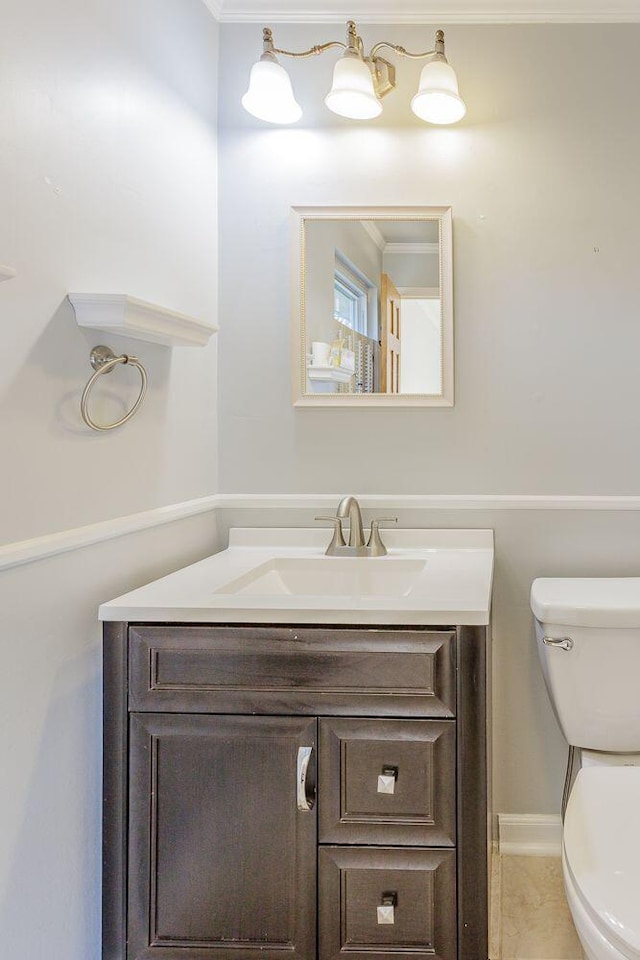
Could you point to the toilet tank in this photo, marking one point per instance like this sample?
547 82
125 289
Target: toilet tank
594 686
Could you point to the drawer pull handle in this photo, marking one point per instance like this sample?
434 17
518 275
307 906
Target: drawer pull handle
387 780
386 910
304 756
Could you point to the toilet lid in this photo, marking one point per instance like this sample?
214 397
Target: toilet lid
601 838
587 601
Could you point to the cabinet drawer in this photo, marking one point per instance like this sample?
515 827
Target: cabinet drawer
387 904
387 782
282 669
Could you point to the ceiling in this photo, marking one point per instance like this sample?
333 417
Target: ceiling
417 11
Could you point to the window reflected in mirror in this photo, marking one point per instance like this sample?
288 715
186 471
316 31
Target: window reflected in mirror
373 316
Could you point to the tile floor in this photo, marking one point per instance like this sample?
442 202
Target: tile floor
530 919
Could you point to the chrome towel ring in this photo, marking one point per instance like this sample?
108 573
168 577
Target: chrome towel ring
103 360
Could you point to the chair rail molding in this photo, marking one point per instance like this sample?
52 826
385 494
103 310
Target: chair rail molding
462 501
39 548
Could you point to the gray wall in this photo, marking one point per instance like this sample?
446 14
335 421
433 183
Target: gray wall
108 184
542 179
51 742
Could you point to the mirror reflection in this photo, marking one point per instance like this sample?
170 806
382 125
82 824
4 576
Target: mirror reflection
371 296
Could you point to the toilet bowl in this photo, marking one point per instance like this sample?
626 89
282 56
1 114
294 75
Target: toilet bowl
601 861
588 635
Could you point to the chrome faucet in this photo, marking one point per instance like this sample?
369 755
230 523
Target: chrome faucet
349 509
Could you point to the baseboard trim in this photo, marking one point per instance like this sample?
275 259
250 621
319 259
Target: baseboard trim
39 548
529 835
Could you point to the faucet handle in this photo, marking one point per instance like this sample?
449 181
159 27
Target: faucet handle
375 545
338 538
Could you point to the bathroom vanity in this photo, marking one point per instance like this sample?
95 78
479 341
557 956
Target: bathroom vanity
310 788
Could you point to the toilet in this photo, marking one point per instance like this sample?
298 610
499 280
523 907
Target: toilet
588 636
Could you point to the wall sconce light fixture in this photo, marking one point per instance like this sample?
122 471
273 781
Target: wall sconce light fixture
359 82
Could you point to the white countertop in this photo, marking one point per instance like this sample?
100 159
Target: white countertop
455 587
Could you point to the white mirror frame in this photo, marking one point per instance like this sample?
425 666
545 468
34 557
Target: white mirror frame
301 398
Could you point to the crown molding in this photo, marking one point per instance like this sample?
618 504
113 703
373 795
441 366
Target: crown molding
417 246
413 11
369 227
215 6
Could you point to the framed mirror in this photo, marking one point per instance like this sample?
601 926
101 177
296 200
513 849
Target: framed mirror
372 306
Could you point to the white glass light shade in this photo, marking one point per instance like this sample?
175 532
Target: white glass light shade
270 95
353 94
437 99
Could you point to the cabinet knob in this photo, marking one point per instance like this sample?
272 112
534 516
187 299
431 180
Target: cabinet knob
387 780
386 910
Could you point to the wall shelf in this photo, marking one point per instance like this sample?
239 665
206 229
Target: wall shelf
6 273
329 374
130 317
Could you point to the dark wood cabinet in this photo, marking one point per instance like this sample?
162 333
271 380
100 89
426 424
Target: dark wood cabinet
220 858
312 791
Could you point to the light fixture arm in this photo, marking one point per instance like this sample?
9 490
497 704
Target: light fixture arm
353 45
269 49
438 50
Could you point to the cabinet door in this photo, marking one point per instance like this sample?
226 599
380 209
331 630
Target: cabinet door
221 843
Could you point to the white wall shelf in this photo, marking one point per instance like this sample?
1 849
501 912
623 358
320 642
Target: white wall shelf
332 374
6 273
130 317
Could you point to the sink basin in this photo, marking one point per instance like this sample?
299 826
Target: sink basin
329 577
282 575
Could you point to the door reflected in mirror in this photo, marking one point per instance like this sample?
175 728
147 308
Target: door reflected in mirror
373 318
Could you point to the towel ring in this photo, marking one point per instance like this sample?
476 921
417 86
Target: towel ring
103 360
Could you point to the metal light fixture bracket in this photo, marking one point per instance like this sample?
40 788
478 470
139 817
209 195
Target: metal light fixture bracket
384 75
